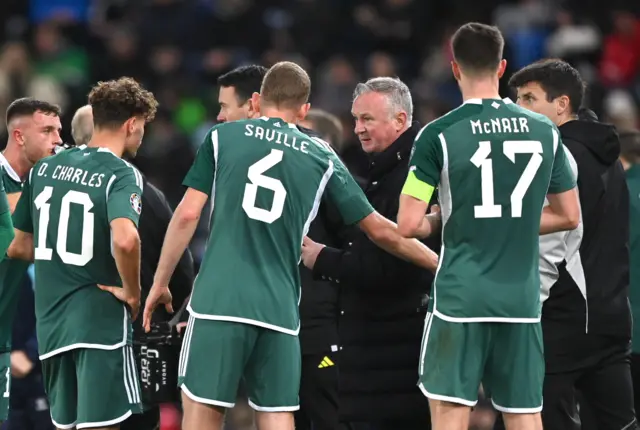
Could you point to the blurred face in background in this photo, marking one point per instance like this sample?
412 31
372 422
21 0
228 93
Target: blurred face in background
232 108
377 127
38 135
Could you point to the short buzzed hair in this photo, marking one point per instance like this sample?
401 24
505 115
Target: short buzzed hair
477 48
286 85
396 91
82 125
27 106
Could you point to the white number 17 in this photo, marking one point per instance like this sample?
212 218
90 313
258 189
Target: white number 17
488 208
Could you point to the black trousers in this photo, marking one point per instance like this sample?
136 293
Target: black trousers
318 393
603 391
149 420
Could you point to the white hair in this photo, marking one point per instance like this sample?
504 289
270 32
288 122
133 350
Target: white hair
397 93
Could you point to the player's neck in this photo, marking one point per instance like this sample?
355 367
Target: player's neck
480 89
285 115
108 140
18 163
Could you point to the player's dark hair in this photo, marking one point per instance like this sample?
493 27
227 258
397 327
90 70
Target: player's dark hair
245 79
630 145
556 77
285 85
27 106
477 48
114 102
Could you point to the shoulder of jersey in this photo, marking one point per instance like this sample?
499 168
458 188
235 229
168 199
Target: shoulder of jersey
449 119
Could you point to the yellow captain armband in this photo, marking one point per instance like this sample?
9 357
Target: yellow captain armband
414 187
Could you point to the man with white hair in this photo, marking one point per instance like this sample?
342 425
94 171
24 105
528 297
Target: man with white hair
383 299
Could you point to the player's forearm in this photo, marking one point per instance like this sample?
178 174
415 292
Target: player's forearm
13 198
22 246
407 249
428 225
128 263
181 229
552 222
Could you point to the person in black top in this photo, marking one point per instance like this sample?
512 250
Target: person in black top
586 331
153 224
383 300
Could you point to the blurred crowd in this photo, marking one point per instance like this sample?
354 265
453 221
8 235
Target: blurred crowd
56 49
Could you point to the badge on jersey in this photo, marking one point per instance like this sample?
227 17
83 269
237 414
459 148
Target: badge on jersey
136 203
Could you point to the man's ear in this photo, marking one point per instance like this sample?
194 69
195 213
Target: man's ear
254 103
563 105
455 69
304 110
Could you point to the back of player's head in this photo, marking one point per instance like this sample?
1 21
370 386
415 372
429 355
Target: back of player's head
327 125
27 106
556 78
245 79
477 48
285 85
114 102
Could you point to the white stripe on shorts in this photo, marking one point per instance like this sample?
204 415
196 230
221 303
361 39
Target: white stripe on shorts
125 373
186 345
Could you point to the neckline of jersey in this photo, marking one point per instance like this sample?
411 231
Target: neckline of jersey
476 101
7 167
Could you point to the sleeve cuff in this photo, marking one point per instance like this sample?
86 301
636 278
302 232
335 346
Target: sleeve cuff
327 267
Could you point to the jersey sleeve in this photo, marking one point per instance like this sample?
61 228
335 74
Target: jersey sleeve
425 166
4 203
562 177
201 175
346 194
124 198
22 217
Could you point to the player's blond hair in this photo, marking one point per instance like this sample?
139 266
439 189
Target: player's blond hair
286 85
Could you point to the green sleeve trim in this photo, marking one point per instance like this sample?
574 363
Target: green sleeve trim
6 232
414 187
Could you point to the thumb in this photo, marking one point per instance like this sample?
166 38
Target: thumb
106 288
306 241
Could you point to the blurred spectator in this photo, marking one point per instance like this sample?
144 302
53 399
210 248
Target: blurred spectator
328 126
621 57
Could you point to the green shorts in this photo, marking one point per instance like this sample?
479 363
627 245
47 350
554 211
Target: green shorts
507 358
92 387
5 384
217 355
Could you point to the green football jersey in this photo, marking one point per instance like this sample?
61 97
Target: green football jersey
12 271
494 163
68 203
265 179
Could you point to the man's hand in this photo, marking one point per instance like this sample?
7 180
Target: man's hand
120 293
181 326
21 365
310 251
159 294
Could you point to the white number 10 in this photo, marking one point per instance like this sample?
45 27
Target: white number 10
41 203
488 208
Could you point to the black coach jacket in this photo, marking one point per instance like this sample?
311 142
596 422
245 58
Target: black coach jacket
152 227
604 251
382 305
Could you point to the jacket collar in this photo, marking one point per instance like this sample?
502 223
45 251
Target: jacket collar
399 152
